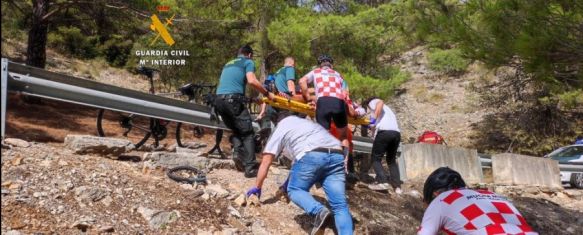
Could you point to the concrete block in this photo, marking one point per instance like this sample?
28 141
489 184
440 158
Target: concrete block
420 160
515 169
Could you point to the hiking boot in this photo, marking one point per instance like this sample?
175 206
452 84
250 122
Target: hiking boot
238 164
379 187
320 221
251 173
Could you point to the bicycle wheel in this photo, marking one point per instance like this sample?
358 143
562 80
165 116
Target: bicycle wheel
187 132
186 174
118 124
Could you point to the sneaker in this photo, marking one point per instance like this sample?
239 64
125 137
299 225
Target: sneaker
398 191
320 221
379 187
251 174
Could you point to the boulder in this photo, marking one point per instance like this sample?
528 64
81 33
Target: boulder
158 219
86 144
17 142
166 160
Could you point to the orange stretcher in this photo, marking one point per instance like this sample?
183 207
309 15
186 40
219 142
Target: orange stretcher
296 106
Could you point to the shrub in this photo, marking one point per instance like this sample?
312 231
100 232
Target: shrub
447 61
117 51
70 40
362 86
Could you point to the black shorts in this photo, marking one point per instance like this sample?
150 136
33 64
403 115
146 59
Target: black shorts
330 109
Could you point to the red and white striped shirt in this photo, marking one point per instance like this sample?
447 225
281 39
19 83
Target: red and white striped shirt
327 82
466 211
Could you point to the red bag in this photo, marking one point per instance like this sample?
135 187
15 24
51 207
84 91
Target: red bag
430 137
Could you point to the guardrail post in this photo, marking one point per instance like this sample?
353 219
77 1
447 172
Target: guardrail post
4 88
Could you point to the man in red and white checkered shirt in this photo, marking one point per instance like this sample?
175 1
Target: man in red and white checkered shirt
330 90
454 209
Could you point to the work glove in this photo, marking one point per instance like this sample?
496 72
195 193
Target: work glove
254 191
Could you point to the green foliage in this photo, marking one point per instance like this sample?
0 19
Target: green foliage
117 50
448 61
70 40
571 99
362 86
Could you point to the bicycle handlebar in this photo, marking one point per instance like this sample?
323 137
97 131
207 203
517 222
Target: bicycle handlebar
149 72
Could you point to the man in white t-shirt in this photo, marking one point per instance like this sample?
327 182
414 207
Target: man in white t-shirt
386 141
318 158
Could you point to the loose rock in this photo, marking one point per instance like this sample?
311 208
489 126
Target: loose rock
241 200
17 142
158 219
91 194
220 191
253 200
84 144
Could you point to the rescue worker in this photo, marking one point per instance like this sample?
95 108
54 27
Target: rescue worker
318 158
285 78
386 141
230 105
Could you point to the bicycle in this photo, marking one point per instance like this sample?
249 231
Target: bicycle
139 129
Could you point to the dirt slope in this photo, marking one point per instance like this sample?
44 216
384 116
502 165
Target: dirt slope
46 188
437 102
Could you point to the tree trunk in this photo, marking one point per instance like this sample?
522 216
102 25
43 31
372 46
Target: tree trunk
37 36
264 44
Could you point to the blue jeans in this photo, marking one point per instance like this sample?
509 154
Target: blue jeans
328 170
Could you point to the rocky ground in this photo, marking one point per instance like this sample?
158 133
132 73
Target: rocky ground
82 183
61 188
437 102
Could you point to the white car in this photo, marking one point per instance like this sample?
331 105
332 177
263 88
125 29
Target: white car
570 155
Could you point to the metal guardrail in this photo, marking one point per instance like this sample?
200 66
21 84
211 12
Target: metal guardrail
42 83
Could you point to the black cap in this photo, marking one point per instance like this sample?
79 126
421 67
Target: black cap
245 50
442 179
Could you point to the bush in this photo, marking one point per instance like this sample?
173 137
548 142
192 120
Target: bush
70 40
362 86
447 61
117 51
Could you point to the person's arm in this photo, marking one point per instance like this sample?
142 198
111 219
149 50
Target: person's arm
431 223
378 109
290 76
352 111
252 80
262 112
263 169
291 86
304 87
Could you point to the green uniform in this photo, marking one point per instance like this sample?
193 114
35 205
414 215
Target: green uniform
233 78
283 75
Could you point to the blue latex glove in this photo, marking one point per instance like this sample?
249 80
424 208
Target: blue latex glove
254 191
373 121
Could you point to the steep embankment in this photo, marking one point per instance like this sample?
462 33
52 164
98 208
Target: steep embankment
437 102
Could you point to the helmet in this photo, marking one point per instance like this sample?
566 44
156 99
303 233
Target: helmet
441 179
325 57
